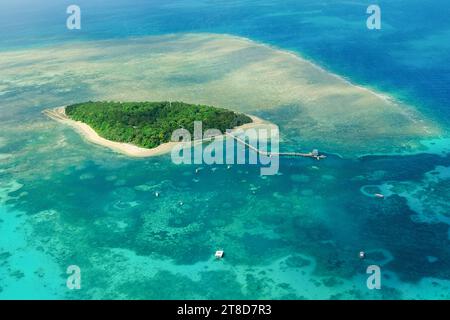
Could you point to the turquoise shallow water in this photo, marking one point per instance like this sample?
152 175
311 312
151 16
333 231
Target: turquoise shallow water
295 235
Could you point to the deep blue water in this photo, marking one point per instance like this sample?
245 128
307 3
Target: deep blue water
84 204
407 58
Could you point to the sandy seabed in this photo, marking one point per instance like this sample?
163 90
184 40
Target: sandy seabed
313 107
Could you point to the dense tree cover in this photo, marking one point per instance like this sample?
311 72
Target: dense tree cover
149 124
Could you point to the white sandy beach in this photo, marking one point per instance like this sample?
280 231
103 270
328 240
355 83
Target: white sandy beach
318 108
128 149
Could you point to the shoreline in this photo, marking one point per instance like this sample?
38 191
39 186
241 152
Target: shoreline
128 149
345 79
385 96
332 113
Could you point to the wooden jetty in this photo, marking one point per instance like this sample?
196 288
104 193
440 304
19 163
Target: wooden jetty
313 154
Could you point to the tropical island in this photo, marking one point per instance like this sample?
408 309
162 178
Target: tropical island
150 124
144 128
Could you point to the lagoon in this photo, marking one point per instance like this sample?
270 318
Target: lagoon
294 235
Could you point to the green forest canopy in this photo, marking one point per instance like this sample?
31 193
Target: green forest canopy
150 124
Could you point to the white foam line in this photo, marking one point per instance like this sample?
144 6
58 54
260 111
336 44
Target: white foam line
299 57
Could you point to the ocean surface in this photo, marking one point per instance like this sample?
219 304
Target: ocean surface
295 235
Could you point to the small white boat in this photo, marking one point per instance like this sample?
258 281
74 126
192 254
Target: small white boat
219 254
379 195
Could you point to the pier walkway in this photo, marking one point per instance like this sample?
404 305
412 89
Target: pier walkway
313 154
